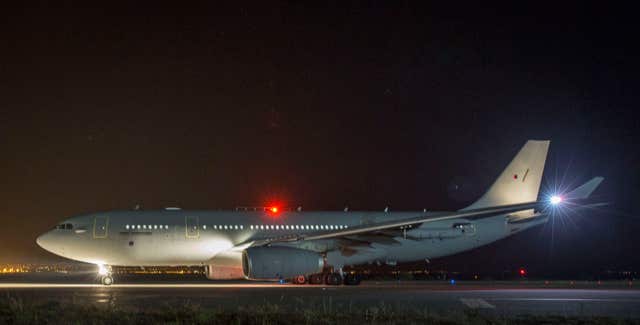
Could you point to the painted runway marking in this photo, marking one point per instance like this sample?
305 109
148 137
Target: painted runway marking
476 303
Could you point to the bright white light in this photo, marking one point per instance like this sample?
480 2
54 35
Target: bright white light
555 199
102 270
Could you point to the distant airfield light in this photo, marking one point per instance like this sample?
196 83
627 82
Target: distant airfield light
555 199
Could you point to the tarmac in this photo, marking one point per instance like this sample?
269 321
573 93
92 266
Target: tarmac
501 298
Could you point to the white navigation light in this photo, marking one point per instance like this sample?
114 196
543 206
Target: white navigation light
102 270
555 199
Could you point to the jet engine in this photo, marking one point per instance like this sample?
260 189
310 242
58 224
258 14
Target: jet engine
279 262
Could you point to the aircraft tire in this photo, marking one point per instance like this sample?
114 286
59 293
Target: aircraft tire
300 279
316 278
333 279
106 280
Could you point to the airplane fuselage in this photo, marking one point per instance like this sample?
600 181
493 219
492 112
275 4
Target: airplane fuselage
183 237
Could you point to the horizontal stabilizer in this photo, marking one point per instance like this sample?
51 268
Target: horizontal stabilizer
584 191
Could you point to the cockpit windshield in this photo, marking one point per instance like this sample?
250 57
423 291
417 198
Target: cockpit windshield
65 226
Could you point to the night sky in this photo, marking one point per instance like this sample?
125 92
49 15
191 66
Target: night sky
370 104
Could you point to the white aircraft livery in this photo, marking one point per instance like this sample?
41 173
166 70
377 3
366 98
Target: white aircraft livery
270 243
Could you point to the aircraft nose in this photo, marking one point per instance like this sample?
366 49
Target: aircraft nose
42 240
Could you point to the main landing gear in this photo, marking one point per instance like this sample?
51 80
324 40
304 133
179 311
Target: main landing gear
332 279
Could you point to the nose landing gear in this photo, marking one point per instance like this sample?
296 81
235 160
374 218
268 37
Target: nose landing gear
106 280
105 275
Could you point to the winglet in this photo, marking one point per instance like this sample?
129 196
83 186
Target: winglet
584 191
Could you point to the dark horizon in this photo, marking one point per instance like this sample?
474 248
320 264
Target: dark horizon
211 107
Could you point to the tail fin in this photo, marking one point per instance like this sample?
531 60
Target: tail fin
520 181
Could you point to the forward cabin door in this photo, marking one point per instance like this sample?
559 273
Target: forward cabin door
191 227
100 227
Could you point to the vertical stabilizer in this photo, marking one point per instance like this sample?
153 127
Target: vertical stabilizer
520 181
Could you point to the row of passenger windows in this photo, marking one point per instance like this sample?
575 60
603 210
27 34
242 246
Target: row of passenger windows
297 227
241 227
146 227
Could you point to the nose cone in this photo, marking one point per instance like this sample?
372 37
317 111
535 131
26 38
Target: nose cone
42 240
50 242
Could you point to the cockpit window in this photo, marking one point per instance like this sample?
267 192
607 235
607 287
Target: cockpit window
65 226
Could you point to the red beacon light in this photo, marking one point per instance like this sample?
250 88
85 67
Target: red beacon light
274 209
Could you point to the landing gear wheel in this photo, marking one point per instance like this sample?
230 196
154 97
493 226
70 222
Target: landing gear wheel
333 279
107 280
300 279
352 280
316 279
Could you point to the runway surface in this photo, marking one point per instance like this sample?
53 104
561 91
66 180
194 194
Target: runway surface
505 300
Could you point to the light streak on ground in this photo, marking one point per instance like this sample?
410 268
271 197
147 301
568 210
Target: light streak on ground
176 285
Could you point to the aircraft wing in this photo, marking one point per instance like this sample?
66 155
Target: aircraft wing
383 232
401 223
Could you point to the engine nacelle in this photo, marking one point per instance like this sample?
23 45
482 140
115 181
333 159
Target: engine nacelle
278 262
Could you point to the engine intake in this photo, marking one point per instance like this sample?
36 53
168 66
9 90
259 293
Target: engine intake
278 262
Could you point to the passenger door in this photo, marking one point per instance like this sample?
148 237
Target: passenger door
191 227
100 227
